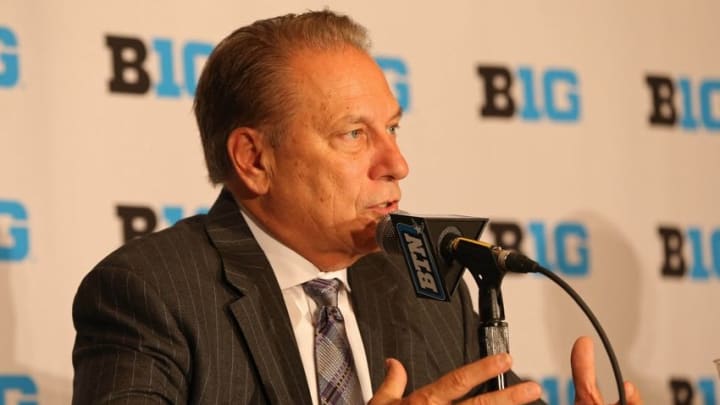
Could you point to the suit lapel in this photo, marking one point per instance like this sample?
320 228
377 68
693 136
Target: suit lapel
384 316
260 310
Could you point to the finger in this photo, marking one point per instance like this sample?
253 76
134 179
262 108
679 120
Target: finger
582 361
632 394
393 385
460 381
522 393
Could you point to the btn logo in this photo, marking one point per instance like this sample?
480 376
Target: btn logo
140 220
688 392
569 242
676 264
557 100
14 232
17 389
397 75
700 97
130 74
9 59
424 272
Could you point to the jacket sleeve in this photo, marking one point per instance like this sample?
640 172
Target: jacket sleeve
128 347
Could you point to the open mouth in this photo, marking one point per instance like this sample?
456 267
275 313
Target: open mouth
386 207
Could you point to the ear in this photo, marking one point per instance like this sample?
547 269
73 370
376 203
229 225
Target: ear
250 155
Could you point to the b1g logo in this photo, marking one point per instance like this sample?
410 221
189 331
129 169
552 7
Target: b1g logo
679 101
676 264
140 220
688 392
14 232
396 72
9 59
17 389
553 94
130 73
557 391
569 244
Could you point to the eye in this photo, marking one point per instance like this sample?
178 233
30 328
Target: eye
393 129
355 134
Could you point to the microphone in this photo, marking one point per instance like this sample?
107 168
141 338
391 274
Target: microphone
438 249
465 250
435 248
422 242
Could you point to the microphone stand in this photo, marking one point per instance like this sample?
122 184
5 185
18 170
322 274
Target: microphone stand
488 266
492 328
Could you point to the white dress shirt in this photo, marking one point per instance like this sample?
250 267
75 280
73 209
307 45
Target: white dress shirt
291 271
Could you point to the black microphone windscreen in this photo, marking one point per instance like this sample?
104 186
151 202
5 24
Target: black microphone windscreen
386 236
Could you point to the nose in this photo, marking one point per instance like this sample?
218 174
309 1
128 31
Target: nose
389 164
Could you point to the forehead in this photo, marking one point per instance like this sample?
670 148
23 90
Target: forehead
341 81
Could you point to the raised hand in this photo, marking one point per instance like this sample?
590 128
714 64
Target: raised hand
455 385
582 361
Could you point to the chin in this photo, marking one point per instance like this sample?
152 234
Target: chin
364 240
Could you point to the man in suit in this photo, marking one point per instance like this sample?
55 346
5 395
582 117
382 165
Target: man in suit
299 126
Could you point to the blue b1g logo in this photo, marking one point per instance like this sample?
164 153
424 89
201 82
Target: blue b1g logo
558 391
562 248
552 94
691 391
20 387
396 72
676 262
141 220
14 232
9 59
690 104
131 75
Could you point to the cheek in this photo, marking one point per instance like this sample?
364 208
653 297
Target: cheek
338 195
352 185
336 186
298 186
320 189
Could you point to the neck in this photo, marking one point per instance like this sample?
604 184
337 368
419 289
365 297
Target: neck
325 260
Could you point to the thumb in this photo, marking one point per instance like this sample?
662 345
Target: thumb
392 388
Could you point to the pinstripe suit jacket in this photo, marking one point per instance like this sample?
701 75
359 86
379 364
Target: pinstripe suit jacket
194 314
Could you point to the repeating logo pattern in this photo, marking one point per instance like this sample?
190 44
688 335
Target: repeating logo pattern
9 58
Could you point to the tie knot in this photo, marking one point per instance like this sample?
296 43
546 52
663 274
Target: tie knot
323 292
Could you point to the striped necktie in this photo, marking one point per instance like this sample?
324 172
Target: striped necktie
337 381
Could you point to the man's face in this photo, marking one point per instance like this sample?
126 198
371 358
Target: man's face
336 169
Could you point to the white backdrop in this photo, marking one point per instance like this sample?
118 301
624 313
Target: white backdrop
72 151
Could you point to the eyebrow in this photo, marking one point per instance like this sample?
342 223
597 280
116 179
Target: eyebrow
354 119
398 114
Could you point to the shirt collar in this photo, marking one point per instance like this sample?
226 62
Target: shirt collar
290 268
